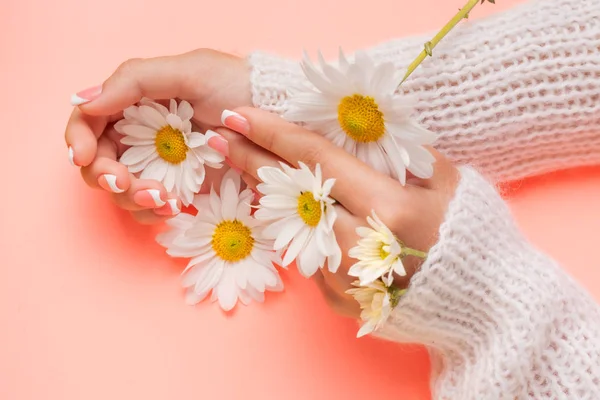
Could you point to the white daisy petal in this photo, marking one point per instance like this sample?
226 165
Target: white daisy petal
152 117
310 260
227 290
156 170
170 177
185 111
133 141
157 106
296 245
174 121
138 131
289 231
196 139
229 199
134 155
193 298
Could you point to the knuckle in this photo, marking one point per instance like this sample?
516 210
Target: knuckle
129 66
311 155
392 217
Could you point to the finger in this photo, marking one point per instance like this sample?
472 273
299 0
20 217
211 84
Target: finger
251 181
142 194
105 171
81 135
293 144
156 78
444 175
172 208
148 217
241 153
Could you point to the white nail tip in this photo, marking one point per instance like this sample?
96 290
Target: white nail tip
156 197
225 114
77 101
111 180
173 204
211 134
71 156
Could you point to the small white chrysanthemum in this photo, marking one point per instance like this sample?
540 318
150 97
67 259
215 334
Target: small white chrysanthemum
356 107
376 303
164 148
302 216
379 253
230 255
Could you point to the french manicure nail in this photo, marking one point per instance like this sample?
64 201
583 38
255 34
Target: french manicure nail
174 207
217 142
85 96
149 198
171 208
109 183
72 156
235 121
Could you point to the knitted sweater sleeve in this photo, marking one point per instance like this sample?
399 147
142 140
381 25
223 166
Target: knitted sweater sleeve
516 94
501 320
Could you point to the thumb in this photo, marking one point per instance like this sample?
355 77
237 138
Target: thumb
156 78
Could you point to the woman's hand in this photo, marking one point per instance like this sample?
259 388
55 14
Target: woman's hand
413 212
209 80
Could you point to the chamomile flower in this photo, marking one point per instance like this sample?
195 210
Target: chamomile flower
164 147
378 252
230 255
301 215
376 302
355 105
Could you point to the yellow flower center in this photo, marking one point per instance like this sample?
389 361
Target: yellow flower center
232 241
360 118
382 253
309 209
170 145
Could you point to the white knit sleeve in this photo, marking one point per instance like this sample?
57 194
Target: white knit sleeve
516 94
501 320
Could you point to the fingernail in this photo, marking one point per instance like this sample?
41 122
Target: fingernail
72 156
233 167
85 96
109 182
149 198
217 142
171 208
235 121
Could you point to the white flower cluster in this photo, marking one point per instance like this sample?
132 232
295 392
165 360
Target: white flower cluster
379 254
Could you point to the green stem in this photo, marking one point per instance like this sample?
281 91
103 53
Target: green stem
412 252
429 46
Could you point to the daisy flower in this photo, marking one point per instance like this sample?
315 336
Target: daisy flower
379 253
229 252
301 216
355 105
376 303
164 147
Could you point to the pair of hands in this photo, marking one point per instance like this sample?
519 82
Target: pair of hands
213 82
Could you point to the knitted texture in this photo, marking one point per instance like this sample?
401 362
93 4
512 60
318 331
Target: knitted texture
501 320
516 94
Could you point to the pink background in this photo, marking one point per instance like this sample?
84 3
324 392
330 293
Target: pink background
90 306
